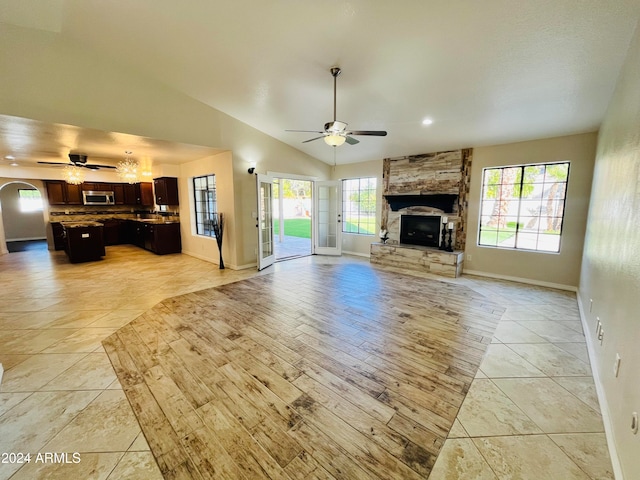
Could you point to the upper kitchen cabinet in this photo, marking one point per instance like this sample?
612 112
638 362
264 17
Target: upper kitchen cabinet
132 193
145 193
60 192
166 189
97 186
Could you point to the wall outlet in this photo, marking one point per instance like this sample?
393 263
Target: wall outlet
616 365
469 256
599 330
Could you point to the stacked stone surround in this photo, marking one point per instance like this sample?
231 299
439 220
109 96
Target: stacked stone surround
432 173
416 257
436 173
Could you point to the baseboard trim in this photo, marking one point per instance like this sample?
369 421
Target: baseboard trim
529 281
230 266
25 239
602 399
357 254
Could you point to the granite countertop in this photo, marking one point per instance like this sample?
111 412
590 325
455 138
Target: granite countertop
156 221
81 224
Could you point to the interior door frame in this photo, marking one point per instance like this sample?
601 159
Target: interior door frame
264 261
337 219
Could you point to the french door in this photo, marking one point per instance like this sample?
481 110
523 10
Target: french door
266 252
327 215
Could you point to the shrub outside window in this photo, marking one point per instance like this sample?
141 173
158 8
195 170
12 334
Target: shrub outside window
359 205
523 206
206 207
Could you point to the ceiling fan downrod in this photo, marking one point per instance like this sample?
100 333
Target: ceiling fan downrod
335 71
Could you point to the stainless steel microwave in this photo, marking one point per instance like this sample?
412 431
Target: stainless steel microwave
90 197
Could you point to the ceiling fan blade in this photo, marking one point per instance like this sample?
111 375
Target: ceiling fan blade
55 163
312 139
375 133
99 166
351 140
304 131
90 167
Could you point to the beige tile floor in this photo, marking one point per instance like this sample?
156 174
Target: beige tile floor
532 411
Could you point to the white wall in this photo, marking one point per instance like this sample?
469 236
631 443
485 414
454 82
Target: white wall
351 242
611 262
562 269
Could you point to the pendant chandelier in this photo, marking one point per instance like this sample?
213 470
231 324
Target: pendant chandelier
127 169
73 174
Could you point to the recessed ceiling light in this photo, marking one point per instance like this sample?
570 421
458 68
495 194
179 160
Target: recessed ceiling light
13 164
427 121
9 157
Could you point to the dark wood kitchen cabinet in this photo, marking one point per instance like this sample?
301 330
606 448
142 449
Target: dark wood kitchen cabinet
60 192
58 235
84 241
145 193
165 238
166 189
118 193
138 193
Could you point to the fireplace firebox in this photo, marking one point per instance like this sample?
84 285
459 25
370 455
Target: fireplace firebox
420 230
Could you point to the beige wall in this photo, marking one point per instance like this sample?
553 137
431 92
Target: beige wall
199 246
352 243
611 262
562 269
19 225
4 181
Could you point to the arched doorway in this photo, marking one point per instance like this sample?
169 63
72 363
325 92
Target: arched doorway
23 224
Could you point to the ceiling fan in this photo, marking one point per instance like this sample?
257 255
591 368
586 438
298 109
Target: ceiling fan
335 133
79 160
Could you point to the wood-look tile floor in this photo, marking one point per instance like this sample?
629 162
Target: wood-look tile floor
341 371
531 411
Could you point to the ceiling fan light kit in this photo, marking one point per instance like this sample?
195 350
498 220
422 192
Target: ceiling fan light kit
334 140
335 133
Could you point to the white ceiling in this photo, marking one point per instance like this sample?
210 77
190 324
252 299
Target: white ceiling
486 71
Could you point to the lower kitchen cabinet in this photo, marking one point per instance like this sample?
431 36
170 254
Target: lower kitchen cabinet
166 238
58 235
159 238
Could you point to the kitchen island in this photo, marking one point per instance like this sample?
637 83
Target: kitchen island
83 241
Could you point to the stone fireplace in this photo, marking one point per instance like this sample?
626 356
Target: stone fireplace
418 191
432 184
420 230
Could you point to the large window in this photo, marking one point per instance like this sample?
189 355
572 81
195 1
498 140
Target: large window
204 189
30 200
359 205
523 206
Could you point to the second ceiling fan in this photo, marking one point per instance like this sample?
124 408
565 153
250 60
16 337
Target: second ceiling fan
335 133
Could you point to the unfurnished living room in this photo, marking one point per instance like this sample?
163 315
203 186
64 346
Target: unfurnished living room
333 240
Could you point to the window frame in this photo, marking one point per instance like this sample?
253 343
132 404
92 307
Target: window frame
22 199
203 228
345 200
519 217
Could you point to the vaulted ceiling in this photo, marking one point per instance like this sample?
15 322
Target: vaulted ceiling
484 71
